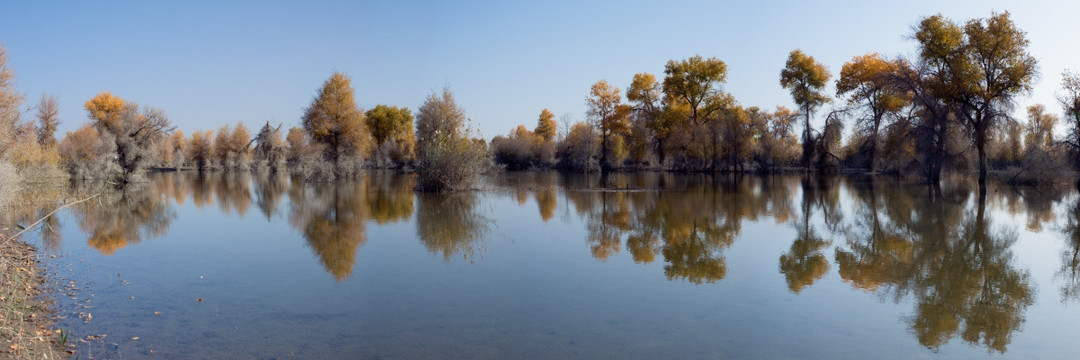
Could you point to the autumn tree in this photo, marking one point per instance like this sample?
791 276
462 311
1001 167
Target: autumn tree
1040 128
133 130
544 147
392 130
694 96
734 130
579 149
936 136
302 152
20 141
987 65
200 149
86 153
171 151
447 156
515 151
608 115
697 82
806 79
1006 146
644 93
178 142
869 82
546 126
48 116
334 120
231 147
10 100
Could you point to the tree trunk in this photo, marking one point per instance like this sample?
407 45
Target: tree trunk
980 144
604 166
806 141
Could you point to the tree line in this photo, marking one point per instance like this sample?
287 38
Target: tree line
947 109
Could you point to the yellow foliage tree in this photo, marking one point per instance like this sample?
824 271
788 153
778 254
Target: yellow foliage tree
334 120
200 149
608 116
545 126
392 129
985 65
1040 128
806 79
134 131
871 82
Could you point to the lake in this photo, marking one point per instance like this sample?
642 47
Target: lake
568 266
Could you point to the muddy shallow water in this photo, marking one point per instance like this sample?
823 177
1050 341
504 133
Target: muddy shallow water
541 265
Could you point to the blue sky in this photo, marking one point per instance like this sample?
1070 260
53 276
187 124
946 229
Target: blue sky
212 63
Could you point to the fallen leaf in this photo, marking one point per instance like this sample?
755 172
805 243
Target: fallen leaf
198 300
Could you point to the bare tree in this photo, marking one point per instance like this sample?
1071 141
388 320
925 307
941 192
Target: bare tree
48 116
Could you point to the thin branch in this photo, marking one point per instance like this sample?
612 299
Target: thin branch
27 228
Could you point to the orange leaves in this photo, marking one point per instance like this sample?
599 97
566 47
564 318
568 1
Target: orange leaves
80 145
334 120
873 80
545 126
105 109
199 148
231 146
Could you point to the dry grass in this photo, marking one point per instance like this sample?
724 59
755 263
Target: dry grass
25 316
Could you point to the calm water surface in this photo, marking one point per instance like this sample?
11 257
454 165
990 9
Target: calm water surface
546 265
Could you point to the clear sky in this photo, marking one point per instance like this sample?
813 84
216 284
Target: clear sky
212 63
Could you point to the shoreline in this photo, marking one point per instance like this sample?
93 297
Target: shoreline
26 316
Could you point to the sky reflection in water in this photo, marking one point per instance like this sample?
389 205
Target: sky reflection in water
547 265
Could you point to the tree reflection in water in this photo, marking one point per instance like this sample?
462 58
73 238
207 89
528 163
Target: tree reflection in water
449 223
934 246
951 260
1070 256
805 263
270 188
690 222
123 217
333 217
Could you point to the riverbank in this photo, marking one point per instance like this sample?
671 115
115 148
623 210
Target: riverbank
26 317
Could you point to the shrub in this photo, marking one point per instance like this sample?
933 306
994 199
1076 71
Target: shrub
580 149
88 154
447 158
